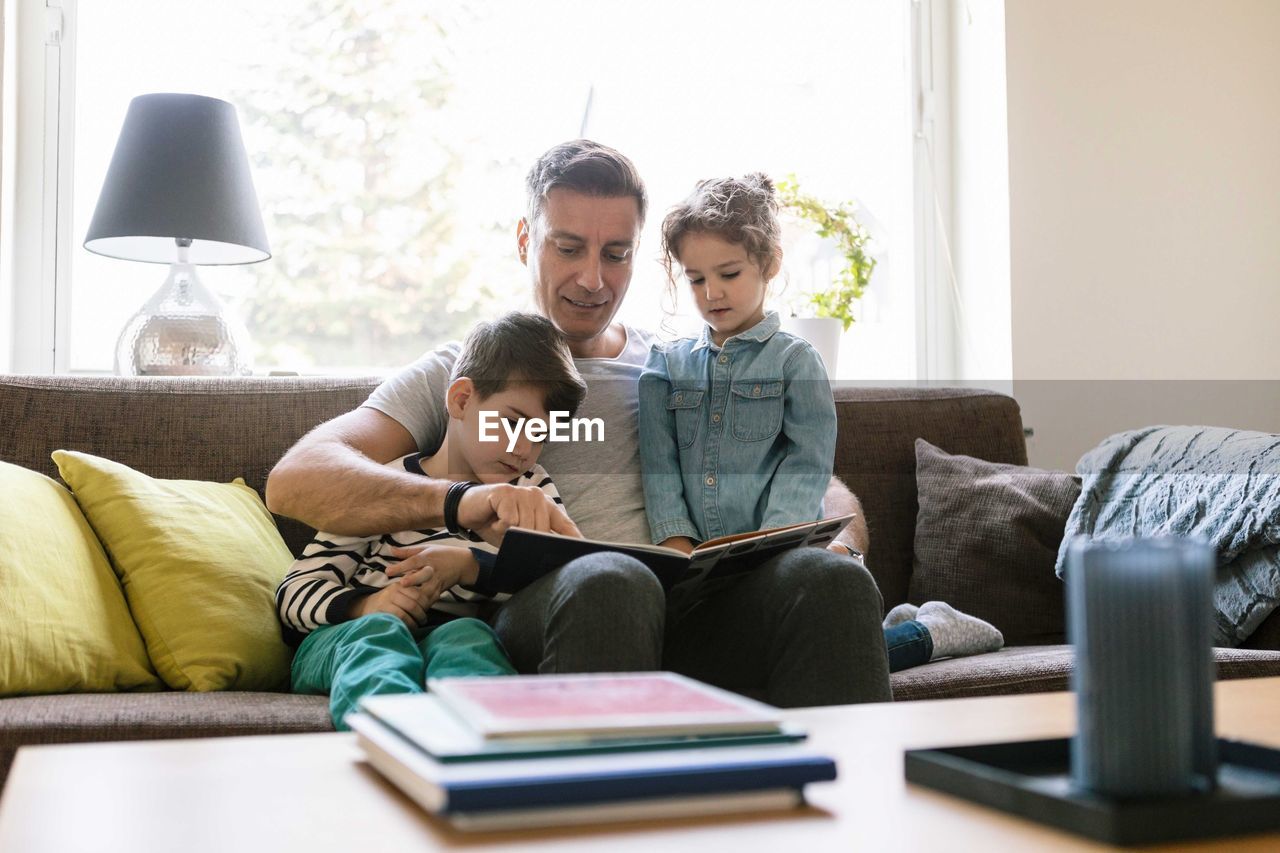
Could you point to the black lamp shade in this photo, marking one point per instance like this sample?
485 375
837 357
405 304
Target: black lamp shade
179 171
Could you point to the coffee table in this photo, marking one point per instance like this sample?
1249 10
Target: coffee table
312 793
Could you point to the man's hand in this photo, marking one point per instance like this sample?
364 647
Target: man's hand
431 569
840 501
491 510
406 602
835 546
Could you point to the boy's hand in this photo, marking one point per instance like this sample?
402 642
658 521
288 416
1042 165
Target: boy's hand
491 510
406 602
680 543
431 569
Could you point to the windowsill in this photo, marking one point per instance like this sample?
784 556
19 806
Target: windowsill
317 372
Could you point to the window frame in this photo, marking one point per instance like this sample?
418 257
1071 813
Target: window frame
40 114
42 117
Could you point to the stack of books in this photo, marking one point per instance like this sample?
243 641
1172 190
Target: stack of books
526 751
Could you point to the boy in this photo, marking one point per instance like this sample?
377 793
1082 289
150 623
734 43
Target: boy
372 615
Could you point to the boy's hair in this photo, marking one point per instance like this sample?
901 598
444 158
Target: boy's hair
586 167
521 347
739 210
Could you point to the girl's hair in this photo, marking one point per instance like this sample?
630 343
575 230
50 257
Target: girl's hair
740 210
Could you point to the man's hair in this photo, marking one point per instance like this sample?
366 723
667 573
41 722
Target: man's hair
521 347
586 167
737 210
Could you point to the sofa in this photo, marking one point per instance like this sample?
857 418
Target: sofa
218 429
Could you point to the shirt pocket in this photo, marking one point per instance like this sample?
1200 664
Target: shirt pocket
686 405
757 409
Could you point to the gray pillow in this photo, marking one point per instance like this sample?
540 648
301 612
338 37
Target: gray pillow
987 536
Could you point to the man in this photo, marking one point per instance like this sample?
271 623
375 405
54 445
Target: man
802 629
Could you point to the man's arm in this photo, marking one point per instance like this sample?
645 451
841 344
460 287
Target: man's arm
335 479
838 500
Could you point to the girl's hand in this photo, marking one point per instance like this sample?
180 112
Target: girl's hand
680 543
433 568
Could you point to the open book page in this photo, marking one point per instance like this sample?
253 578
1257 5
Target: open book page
804 534
826 525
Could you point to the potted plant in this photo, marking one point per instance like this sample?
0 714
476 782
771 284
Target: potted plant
831 307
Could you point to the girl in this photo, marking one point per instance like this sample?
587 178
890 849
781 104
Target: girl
738 426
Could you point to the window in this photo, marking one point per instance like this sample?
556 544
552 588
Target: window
389 141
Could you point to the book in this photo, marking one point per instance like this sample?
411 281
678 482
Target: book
427 723
670 808
602 787
526 555
630 704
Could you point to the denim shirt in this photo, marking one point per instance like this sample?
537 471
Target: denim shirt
735 438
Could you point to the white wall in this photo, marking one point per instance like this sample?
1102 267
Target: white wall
980 190
1144 179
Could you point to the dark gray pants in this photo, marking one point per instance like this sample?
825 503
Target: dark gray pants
801 629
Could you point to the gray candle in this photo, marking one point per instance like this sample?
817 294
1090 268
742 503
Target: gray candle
1140 615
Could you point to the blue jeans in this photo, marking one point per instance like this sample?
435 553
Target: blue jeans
909 644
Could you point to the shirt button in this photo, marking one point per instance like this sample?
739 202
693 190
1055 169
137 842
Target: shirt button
756 391
715 419
724 359
711 481
679 398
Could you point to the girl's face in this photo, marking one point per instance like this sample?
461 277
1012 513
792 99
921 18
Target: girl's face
728 286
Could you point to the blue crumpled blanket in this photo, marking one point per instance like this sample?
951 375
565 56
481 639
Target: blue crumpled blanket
1221 485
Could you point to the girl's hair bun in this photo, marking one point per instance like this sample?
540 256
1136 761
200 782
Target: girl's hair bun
740 210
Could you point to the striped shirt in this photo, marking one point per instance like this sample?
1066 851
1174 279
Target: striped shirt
335 571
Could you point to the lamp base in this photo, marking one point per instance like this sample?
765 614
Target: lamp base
182 330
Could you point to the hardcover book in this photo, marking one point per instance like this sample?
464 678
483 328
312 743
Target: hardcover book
549 791
633 704
429 724
526 555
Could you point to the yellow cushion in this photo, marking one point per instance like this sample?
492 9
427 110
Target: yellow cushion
200 563
64 625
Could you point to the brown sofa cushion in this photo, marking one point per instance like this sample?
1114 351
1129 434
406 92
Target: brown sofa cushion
987 535
173 428
85 717
1039 669
876 457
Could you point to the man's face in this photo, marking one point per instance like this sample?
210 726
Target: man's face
581 253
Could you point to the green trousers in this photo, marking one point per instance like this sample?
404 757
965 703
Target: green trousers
376 654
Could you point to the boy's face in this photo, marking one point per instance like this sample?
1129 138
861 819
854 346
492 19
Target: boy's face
490 461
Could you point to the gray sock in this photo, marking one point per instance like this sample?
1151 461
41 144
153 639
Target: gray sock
902 613
956 634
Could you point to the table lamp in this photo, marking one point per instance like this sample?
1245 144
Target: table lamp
178 192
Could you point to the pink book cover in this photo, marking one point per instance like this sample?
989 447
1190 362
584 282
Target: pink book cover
600 705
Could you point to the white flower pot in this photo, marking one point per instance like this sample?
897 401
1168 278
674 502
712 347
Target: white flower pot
823 333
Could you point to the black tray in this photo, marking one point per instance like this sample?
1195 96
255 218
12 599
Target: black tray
1032 779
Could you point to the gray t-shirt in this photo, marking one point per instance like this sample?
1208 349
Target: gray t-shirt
599 481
